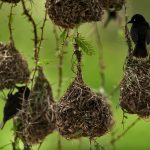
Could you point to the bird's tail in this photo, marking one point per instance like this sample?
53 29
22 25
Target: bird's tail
2 125
140 50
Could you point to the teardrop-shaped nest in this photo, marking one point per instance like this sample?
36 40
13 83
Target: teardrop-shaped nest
135 88
37 118
13 68
117 4
11 1
69 13
83 113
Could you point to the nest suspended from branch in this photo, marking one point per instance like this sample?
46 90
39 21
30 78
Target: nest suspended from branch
135 88
82 112
69 13
37 118
116 4
11 1
13 68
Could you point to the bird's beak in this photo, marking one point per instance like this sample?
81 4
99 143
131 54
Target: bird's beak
130 22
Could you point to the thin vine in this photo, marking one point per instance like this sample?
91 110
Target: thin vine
101 59
113 141
10 24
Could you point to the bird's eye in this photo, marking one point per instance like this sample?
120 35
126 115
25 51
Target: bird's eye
134 20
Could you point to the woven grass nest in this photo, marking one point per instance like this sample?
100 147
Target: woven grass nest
117 4
11 1
135 88
69 13
83 113
13 68
37 118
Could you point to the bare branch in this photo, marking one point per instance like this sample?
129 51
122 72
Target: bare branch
113 141
10 24
101 59
30 18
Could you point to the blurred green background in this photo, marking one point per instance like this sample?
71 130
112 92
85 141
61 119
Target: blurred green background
114 49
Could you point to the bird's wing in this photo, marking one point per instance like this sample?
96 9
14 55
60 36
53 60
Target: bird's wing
134 34
11 107
148 36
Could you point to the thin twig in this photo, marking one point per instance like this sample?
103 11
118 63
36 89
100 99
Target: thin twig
60 69
59 145
80 144
60 58
30 18
40 145
127 33
42 35
10 24
101 59
60 76
123 119
37 46
114 90
112 137
90 146
113 141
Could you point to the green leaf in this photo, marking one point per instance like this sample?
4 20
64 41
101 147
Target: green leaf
84 45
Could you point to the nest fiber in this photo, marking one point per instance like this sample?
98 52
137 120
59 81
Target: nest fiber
13 68
37 118
135 88
82 112
69 13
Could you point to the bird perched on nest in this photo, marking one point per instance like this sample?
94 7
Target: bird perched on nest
14 103
140 34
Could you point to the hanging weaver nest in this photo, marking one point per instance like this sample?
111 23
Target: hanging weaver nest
69 13
135 88
11 1
82 112
37 118
117 4
13 68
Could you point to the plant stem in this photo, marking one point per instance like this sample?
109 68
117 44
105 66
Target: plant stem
10 24
113 141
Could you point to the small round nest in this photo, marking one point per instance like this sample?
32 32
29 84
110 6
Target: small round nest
69 13
117 4
135 88
11 1
13 68
37 118
83 113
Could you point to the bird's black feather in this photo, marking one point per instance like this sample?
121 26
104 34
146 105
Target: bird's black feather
14 103
140 34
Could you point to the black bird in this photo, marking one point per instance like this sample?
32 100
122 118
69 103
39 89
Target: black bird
140 34
14 103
